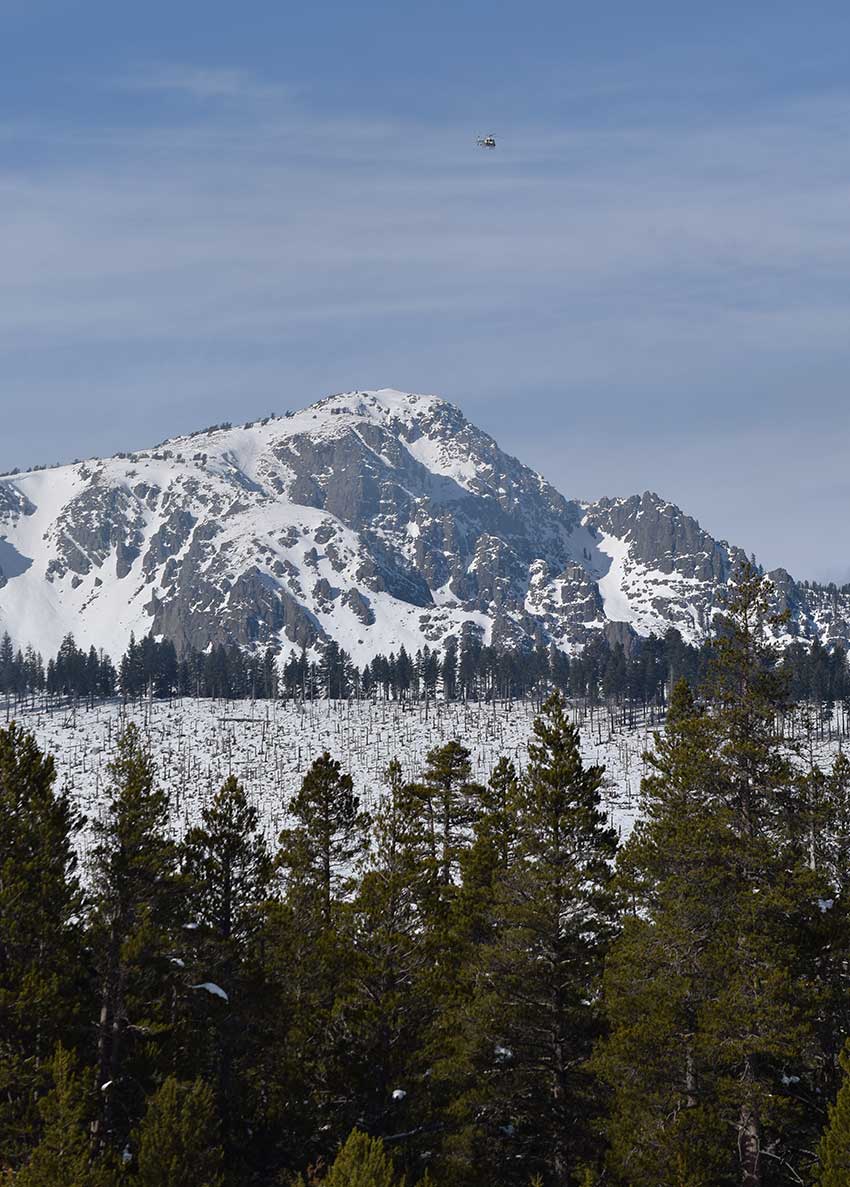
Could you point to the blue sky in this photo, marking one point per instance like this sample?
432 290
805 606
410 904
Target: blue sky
212 211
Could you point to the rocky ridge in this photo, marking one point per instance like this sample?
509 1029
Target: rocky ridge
374 518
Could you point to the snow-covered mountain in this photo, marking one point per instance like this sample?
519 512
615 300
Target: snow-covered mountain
374 518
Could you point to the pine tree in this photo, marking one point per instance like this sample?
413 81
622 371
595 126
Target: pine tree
484 864
449 669
762 1018
330 834
834 1147
710 990
135 918
450 806
380 1006
308 956
834 840
657 979
7 663
446 805
495 825
531 1101
42 962
362 1162
64 1156
227 866
270 674
460 938
131 670
826 800
333 672
228 871
177 1141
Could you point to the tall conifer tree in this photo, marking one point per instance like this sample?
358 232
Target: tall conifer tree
532 1101
320 851
451 803
319 856
177 1142
710 989
228 872
64 1154
382 1006
834 1147
42 967
135 920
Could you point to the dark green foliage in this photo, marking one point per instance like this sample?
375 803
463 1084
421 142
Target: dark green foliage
176 1144
656 981
328 836
485 860
531 1100
79 674
460 987
318 858
832 826
450 804
227 877
41 977
362 1162
380 1006
713 1057
133 928
834 1148
628 681
228 870
149 667
495 826
335 673
64 1155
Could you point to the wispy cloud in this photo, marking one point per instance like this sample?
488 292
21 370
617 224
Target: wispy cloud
194 81
631 267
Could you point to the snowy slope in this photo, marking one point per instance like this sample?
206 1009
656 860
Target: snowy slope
374 518
269 745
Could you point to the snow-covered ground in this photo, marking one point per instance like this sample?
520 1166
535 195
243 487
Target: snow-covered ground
268 745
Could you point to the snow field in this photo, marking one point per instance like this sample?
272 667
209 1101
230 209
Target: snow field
269 745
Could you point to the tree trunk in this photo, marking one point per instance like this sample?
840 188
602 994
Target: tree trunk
108 1041
749 1133
560 1162
690 1075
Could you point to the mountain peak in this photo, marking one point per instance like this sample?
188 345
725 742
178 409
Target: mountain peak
386 400
376 518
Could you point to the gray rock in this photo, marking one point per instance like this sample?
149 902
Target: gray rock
389 507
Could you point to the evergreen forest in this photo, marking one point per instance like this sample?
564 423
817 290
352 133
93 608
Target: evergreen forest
628 681
473 985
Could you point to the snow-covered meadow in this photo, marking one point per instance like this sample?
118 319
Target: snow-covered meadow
268 745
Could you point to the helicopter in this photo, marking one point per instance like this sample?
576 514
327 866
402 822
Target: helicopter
486 141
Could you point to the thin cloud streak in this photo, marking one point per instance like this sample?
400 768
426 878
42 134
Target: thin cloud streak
684 263
197 82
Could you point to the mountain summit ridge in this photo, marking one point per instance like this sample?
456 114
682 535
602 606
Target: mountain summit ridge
376 518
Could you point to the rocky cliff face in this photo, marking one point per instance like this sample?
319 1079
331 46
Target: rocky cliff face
375 518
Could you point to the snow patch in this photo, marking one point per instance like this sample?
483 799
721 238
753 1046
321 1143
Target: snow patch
212 988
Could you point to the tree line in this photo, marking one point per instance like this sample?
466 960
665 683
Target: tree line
473 986
601 674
